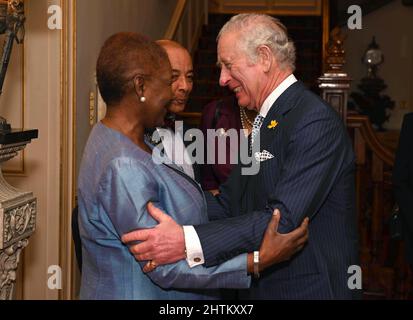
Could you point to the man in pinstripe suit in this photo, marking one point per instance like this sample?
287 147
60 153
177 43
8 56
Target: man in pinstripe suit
306 169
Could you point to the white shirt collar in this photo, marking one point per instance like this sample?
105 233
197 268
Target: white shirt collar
266 106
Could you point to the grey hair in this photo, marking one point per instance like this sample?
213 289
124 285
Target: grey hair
261 29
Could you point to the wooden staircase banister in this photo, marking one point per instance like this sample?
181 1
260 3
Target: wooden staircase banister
363 123
176 18
186 23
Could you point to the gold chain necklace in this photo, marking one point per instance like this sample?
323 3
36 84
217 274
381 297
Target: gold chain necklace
244 118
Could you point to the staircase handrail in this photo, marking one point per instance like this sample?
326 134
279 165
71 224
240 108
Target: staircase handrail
363 123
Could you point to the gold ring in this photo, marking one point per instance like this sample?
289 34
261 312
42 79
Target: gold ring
153 264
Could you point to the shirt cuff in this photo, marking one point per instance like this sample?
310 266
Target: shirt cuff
194 253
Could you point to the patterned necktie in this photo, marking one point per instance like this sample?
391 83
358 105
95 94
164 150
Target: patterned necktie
259 119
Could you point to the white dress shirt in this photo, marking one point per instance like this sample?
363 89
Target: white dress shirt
194 253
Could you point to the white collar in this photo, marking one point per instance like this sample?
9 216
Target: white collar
266 106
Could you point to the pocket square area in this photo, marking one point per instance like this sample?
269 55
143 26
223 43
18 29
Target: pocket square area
263 156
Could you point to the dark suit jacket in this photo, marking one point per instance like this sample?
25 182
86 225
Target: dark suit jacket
403 182
213 175
312 174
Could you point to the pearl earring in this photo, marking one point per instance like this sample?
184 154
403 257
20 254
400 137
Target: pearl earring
143 99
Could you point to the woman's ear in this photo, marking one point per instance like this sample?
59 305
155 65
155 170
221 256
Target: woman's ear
265 57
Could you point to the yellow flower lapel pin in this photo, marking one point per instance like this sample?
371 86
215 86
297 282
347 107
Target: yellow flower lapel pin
273 124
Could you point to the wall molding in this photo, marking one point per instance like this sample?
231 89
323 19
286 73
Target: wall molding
68 147
274 7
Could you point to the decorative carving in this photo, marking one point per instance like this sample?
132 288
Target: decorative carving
335 51
19 223
9 261
17 217
10 151
335 83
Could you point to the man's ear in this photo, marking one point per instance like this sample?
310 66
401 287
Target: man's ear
265 57
139 84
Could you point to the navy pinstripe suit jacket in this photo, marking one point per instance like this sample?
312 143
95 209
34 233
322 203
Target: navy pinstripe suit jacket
312 174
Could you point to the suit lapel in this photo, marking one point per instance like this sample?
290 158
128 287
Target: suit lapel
278 111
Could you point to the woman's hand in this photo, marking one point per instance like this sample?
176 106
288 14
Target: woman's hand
277 247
